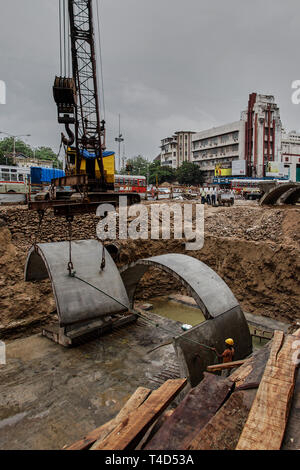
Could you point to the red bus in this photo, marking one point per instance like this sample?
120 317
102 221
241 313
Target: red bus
127 183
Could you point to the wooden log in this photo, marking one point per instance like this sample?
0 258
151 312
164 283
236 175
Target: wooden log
136 400
131 430
201 403
226 365
223 431
266 423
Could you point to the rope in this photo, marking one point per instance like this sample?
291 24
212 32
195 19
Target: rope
65 55
142 316
100 53
60 38
69 45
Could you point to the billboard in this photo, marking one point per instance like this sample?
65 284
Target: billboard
239 168
275 169
219 171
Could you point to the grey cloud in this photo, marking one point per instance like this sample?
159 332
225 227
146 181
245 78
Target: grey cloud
168 65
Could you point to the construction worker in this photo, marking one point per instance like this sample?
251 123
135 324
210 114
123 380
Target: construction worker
227 355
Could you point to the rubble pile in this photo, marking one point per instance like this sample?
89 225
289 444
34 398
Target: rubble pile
254 249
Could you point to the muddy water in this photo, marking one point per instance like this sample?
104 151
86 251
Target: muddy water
187 314
177 311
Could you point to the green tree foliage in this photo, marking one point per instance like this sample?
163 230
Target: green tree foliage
7 147
45 153
42 153
138 166
161 174
189 173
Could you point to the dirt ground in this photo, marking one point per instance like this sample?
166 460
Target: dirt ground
254 249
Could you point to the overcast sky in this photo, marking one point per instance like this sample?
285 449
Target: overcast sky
168 65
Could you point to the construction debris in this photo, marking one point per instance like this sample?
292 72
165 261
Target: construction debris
247 410
130 431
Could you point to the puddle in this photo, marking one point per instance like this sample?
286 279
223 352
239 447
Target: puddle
177 311
187 314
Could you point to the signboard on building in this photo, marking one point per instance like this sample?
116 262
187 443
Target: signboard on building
275 169
222 180
219 171
239 168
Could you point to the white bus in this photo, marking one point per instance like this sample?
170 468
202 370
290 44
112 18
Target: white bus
14 179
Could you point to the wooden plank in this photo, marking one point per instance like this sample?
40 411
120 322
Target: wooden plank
193 413
226 365
131 430
223 430
153 429
136 400
266 423
292 433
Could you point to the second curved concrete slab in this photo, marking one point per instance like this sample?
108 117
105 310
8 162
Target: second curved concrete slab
224 316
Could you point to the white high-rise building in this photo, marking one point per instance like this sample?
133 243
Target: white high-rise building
176 149
242 148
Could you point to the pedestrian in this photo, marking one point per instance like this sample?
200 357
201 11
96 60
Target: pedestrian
208 198
227 355
203 196
213 196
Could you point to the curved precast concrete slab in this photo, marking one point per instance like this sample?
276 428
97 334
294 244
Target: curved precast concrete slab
76 301
292 196
275 194
194 358
211 293
224 316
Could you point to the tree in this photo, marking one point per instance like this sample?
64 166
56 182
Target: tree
159 174
189 173
138 166
42 153
45 153
7 147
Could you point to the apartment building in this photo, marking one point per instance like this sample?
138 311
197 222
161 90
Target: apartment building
255 146
242 148
176 149
263 129
215 149
290 154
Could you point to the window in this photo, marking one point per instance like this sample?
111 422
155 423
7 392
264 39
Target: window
5 176
224 138
21 177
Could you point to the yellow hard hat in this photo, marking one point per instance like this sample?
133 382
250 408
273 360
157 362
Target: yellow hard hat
229 341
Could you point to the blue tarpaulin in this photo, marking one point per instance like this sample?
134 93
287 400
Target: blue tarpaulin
44 175
87 154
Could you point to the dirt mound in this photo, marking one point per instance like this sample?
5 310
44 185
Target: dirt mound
22 305
254 249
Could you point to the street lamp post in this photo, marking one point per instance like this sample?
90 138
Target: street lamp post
119 139
14 142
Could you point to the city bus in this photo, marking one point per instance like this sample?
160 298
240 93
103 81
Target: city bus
14 179
128 183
